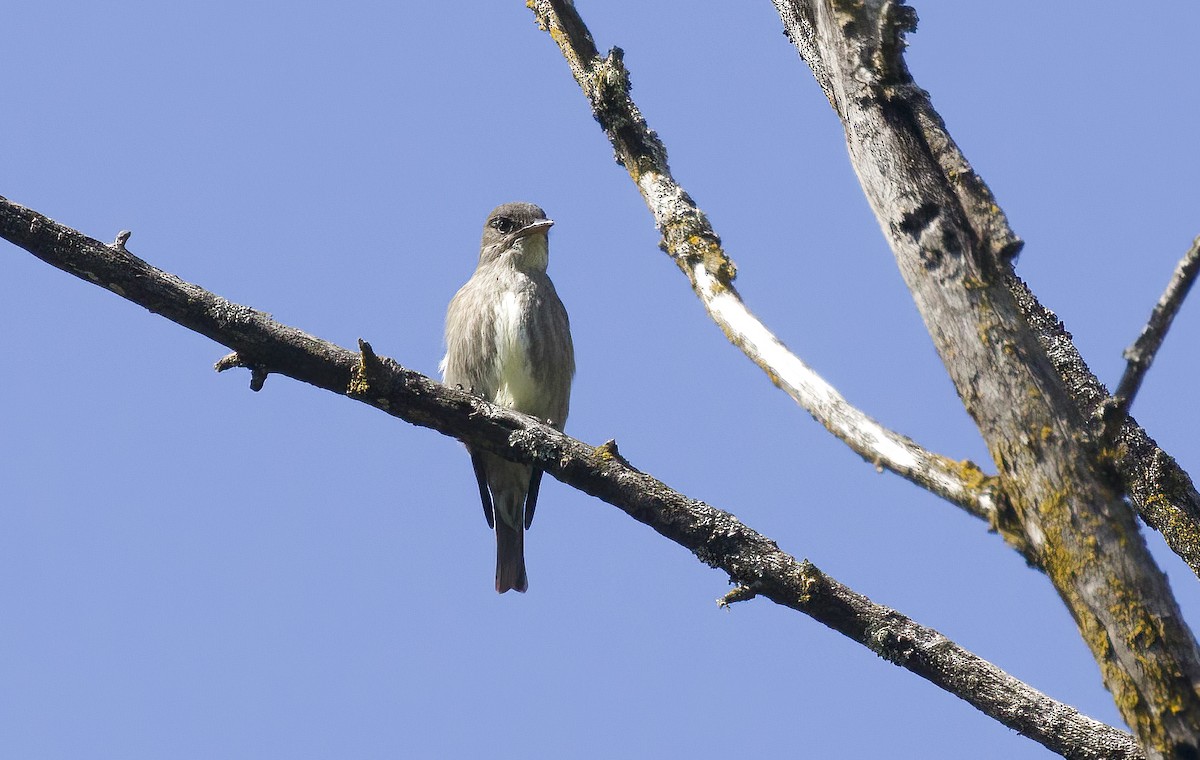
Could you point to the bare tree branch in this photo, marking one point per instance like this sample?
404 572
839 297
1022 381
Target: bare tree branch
1161 491
689 239
1141 354
1074 520
717 538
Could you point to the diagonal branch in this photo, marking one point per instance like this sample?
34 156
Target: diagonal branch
1074 519
691 242
716 537
1159 489
1141 354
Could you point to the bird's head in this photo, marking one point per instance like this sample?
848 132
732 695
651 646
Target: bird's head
516 234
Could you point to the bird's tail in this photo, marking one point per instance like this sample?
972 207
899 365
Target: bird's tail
510 557
510 550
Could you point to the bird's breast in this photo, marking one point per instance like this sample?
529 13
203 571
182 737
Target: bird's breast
516 387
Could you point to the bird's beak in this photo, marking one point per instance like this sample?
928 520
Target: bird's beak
540 226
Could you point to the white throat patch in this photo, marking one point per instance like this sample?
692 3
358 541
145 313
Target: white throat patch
532 252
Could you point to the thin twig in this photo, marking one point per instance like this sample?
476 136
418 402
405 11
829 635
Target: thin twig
735 595
1143 350
689 239
258 372
716 537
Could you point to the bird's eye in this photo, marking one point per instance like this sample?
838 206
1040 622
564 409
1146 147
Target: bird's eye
503 225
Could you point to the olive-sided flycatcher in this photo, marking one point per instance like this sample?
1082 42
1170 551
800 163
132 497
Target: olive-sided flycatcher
508 340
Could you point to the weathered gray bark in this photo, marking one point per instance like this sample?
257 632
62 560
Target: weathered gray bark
1065 505
1160 490
715 537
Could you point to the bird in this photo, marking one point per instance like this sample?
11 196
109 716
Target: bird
508 341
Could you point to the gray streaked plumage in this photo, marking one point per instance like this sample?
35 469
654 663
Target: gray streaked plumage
508 340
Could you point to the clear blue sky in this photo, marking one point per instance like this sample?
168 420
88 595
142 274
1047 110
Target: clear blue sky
192 570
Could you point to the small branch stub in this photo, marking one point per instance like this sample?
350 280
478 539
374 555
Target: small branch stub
368 365
608 450
258 377
258 372
122 238
739 594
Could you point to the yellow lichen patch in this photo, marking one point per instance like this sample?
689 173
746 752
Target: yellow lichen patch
1142 633
726 269
556 33
359 384
716 287
1054 506
983 332
607 450
972 477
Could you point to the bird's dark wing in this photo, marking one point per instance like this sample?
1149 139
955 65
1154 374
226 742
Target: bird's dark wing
535 482
484 495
